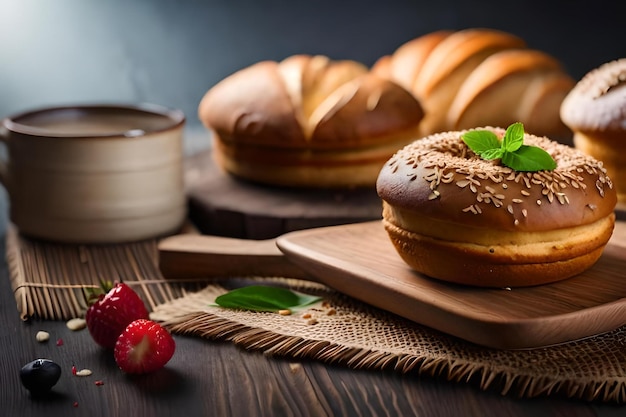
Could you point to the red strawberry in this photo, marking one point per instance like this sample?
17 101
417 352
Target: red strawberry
112 312
144 346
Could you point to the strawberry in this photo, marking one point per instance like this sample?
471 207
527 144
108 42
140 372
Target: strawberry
114 309
144 346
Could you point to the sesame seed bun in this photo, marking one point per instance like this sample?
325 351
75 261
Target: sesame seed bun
456 217
595 110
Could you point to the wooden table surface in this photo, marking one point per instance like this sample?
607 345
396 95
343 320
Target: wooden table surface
207 378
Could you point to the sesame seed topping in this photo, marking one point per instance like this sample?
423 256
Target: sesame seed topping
433 195
444 158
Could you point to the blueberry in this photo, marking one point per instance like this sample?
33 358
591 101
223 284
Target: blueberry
40 375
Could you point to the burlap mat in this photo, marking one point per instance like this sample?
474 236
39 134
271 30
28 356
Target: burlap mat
48 281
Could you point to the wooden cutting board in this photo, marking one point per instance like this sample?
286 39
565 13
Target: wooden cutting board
360 261
222 205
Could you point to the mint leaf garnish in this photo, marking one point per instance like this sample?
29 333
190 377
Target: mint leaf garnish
511 150
481 140
529 158
264 298
490 154
513 137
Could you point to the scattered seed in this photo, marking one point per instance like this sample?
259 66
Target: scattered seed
76 324
294 367
42 336
311 322
331 312
284 312
84 372
306 316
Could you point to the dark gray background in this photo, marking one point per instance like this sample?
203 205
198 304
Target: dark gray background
170 52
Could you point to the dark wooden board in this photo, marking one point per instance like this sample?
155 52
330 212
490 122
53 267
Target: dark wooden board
222 205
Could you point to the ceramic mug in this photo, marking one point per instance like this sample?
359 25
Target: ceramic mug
95 174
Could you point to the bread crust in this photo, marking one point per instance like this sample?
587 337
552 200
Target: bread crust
607 146
499 91
472 264
477 77
406 62
305 114
441 202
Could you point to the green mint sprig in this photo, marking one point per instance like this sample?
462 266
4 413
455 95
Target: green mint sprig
511 150
265 298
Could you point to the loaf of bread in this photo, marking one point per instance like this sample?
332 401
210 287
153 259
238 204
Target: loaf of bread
308 121
480 77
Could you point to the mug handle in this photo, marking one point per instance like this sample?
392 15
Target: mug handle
4 137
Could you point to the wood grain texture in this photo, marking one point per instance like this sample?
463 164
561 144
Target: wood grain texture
222 205
360 261
201 256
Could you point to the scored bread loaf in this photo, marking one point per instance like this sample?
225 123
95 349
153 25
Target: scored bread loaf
308 121
479 77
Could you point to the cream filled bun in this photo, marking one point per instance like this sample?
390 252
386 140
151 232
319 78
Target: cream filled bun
457 217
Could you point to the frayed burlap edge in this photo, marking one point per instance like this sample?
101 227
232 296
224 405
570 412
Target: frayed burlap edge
269 343
579 372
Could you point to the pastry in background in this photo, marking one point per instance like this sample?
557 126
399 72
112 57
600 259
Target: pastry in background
480 77
595 110
308 121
